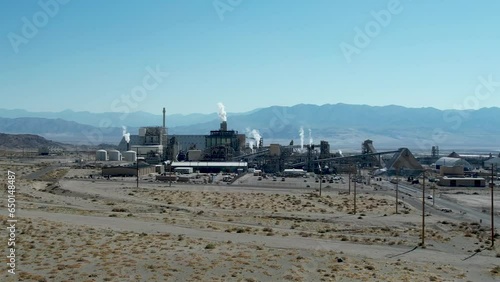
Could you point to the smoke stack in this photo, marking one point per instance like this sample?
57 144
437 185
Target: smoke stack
128 146
164 117
223 126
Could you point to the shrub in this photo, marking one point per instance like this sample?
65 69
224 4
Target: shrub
210 246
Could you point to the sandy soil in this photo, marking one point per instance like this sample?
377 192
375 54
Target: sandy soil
79 229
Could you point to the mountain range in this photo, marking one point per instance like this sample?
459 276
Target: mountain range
344 126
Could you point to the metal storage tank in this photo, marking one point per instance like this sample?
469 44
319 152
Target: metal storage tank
115 155
101 155
130 156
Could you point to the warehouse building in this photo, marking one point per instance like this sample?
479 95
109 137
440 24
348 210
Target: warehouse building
212 167
462 182
453 162
129 170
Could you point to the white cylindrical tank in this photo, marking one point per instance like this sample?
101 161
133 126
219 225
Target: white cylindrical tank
115 155
101 155
130 156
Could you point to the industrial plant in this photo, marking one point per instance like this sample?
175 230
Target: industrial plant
227 150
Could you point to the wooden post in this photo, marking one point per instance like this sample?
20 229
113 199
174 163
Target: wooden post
423 213
492 213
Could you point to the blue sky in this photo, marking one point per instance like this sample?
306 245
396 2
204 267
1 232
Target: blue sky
91 55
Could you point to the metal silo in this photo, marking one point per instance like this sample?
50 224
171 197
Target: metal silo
130 156
115 155
101 155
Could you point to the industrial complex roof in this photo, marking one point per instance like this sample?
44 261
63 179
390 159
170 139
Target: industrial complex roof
209 164
447 161
494 161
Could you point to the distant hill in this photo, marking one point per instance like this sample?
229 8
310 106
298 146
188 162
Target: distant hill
344 126
61 130
25 141
133 119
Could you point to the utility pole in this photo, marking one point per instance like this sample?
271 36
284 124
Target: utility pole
433 194
137 164
320 179
492 213
423 213
355 180
397 189
170 174
354 196
350 167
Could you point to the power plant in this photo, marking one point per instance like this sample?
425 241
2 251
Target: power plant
228 149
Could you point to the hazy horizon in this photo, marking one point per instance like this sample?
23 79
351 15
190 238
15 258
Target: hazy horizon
160 107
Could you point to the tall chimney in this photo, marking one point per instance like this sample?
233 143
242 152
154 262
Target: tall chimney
223 126
163 117
128 146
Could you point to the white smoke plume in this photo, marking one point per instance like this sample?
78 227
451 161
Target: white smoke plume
301 133
125 134
222 112
310 137
254 138
251 143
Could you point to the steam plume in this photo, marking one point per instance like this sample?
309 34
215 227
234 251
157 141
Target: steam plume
251 143
310 137
125 134
222 112
254 137
301 133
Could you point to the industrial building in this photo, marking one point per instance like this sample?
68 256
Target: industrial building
226 150
49 150
212 167
150 143
452 162
493 161
129 170
155 145
451 170
461 182
188 142
294 172
223 144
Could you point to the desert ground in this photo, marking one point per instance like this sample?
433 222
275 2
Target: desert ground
73 228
